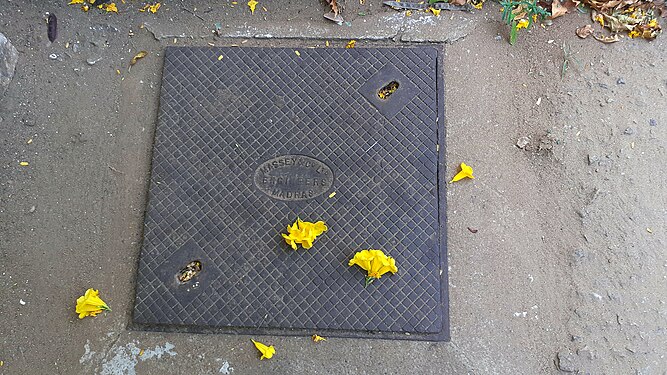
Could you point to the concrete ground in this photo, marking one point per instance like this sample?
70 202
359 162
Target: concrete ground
568 268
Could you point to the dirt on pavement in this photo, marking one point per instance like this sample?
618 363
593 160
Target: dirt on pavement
567 271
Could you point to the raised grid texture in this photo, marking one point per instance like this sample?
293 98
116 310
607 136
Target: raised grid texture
220 119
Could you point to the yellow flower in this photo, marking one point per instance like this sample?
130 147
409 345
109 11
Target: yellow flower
634 34
351 44
109 7
304 233
317 338
151 8
436 12
466 172
267 351
600 19
75 2
375 262
90 304
478 5
522 24
252 4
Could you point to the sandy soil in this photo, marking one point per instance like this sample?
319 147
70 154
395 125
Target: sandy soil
568 268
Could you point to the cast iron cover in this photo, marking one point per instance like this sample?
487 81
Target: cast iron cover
247 143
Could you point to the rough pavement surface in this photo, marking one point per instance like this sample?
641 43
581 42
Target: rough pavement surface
566 272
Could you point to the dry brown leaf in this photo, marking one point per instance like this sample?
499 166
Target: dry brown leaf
457 2
334 6
584 31
557 9
607 39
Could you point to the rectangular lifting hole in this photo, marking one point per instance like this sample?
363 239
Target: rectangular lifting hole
385 92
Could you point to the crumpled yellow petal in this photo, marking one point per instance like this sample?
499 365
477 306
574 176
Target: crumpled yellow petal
303 233
466 172
252 4
318 338
267 351
90 304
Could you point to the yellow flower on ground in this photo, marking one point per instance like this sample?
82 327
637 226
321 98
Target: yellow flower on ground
151 8
351 44
466 172
375 262
478 5
436 12
304 233
75 2
109 7
318 338
267 351
90 304
252 4
600 19
522 24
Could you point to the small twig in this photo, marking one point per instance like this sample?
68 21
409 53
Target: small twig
194 14
114 169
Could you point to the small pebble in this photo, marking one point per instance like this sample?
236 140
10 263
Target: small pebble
32 209
653 122
53 56
22 302
628 131
620 81
498 37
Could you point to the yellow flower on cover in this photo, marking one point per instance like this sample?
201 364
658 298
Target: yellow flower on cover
522 24
375 262
304 233
351 44
90 304
267 351
466 172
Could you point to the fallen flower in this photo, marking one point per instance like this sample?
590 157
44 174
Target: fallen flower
375 262
267 351
109 7
351 44
24 164
252 4
75 2
522 24
90 304
435 12
304 233
466 172
151 8
317 338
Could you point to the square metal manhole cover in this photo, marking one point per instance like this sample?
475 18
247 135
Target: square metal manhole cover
247 143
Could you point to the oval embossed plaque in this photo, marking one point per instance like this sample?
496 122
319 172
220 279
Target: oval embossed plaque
293 177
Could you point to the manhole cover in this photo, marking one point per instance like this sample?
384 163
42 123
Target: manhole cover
247 143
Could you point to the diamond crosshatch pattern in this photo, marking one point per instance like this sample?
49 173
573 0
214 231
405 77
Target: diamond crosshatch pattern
220 119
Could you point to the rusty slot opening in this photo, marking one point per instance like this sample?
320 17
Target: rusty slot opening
388 89
190 270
